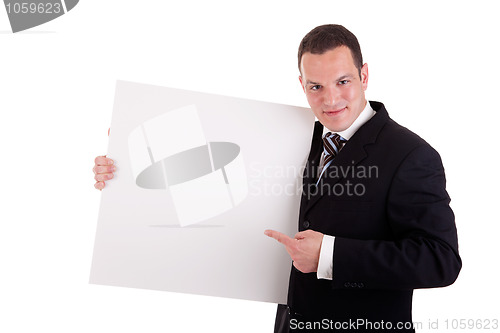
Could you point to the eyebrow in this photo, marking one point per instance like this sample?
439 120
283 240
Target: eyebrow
311 82
343 77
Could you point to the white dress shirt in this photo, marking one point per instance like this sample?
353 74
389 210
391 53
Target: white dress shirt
325 264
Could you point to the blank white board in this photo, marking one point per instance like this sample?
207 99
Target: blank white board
199 178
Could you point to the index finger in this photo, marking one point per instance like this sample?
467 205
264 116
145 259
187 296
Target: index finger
103 160
280 237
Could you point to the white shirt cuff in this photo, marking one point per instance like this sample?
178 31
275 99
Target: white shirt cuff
325 264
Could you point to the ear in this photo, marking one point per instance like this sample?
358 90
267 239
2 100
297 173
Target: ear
302 84
364 76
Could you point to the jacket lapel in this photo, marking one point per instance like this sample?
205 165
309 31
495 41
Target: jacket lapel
310 172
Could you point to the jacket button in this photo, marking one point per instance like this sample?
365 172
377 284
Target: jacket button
306 224
354 285
347 284
361 285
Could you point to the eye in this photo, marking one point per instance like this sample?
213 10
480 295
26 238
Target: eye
315 87
343 82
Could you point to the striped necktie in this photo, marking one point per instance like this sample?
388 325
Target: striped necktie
332 143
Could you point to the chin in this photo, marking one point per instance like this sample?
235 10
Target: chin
335 127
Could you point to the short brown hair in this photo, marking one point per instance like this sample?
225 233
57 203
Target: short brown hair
327 37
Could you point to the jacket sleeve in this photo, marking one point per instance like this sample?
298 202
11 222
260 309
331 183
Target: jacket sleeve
424 250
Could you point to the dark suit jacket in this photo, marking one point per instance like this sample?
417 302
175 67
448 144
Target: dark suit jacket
384 200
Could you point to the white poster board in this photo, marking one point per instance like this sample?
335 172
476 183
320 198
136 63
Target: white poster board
199 178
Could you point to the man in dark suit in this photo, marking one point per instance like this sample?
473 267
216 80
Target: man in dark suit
375 221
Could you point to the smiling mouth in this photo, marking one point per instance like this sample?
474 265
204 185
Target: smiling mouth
334 112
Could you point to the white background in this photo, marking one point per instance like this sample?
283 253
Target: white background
433 64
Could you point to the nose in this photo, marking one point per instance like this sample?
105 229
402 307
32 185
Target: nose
330 96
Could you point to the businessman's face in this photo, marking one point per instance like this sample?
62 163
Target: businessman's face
334 89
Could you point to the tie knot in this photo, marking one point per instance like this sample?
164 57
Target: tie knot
332 143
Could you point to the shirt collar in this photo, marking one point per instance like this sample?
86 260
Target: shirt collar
363 117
